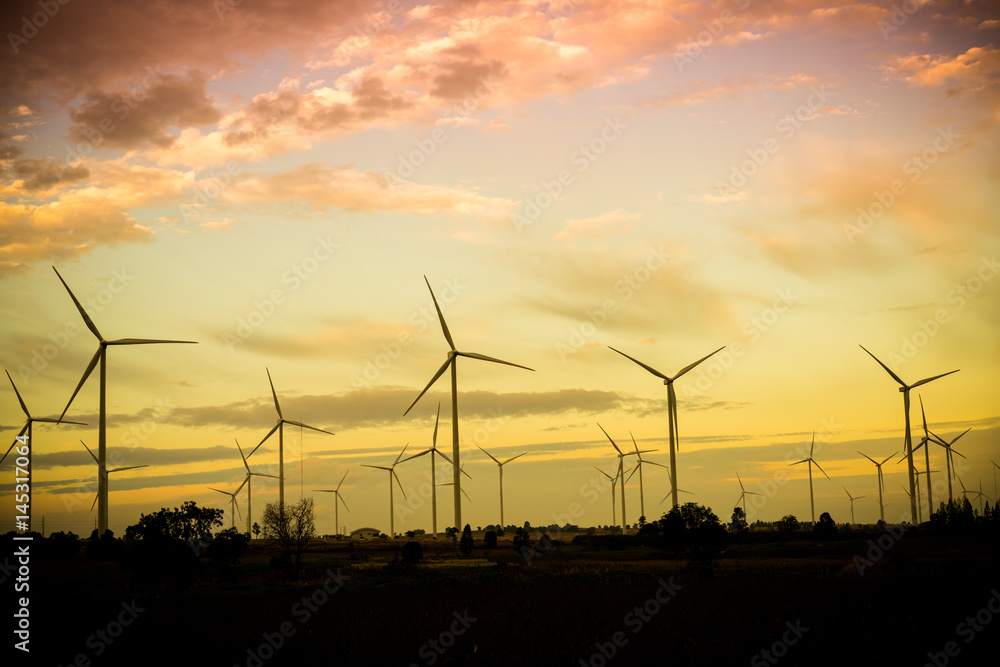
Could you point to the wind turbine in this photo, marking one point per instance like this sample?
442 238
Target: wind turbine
853 498
463 490
671 492
26 431
743 495
977 494
232 500
621 470
638 456
432 451
452 361
392 473
280 428
247 480
907 440
927 458
995 467
948 455
671 410
917 474
102 437
810 461
614 483
500 466
340 499
881 484
106 472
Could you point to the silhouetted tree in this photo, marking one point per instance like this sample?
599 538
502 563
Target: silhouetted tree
225 551
292 526
738 522
451 532
490 539
256 529
826 527
521 539
411 553
788 524
465 545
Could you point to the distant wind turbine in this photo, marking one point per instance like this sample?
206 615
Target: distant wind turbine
247 480
452 361
340 499
907 439
432 451
671 411
810 461
392 474
670 493
743 495
853 498
976 494
26 431
621 470
106 472
640 461
614 483
949 452
881 484
102 437
280 428
500 466
232 501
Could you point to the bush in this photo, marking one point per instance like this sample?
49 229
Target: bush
490 539
412 553
465 544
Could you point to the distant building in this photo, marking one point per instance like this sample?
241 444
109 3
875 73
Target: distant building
365 533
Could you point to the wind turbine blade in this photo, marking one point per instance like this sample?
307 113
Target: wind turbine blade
690 366
604 473
741 483
466 495
888 457
612 441
444 456
56 420
955 451
437 418
444 325
341 499
213 489
400 454
870 458
887 370
654 463
440 371
483 357
398 483
812 445
289 421
960 435
96 495
923 416
489 455
92 455
86 374
146 341
245 465
631 473
146 465
260 474
269 434
648 368
240 487
365 465
798 462
415 456
337 490
86 318
821 470
926 380
462 470
273 392
24 430
749 493
24 407
514 457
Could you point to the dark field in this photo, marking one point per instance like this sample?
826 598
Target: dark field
568 605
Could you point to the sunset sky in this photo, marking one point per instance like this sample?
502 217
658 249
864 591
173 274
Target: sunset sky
788 179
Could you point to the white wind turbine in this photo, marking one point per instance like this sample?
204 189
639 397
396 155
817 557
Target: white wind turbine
881 484
102 437
280 428
340 499
106 472
810 461
638 465
26 432
949 452
432 451
672 411
907 439
232 500
247 480
614 483
853 498
500 466
392 474
621 470
743 495
452 361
